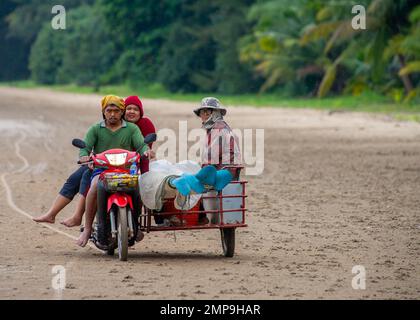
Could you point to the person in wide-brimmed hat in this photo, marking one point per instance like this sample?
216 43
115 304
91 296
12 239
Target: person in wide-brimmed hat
210 103
221 144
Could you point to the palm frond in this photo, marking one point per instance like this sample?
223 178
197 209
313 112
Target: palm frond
343 32
317 32
415 15
411 67
327 81
274 77
324 14
394 47
379 6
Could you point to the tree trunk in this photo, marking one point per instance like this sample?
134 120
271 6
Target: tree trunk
408 85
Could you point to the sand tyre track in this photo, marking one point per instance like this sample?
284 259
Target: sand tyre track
122 233
228 241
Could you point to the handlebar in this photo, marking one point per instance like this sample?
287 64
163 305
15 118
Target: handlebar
84 162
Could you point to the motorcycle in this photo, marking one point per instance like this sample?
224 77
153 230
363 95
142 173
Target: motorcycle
116 225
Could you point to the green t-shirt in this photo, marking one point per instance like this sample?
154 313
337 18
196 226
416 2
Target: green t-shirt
100 138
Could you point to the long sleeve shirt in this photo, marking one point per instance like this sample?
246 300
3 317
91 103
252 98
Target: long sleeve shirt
99 139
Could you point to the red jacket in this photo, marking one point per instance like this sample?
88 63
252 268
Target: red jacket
146 126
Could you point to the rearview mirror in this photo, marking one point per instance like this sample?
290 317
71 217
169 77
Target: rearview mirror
78 143
151 137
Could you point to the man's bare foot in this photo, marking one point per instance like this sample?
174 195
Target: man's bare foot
84 238
45 218
72 222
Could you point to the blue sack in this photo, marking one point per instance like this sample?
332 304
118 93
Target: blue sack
182 186
207 175
223 177
187 183
194 183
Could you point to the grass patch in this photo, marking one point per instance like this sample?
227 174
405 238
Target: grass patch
415 117
367 102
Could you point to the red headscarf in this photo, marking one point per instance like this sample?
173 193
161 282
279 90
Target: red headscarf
136 101
145 124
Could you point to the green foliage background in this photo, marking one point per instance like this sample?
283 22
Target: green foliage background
299 48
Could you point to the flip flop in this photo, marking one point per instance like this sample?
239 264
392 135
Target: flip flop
207 175
223 177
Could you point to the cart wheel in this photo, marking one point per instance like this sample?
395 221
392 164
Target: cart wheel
228 241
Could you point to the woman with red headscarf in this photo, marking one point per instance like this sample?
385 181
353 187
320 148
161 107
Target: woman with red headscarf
134 113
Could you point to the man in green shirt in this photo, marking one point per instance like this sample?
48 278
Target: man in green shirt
113 132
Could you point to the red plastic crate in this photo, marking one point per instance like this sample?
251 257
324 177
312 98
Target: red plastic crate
191 219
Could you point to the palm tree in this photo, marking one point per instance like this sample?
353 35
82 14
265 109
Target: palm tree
275 47
385 19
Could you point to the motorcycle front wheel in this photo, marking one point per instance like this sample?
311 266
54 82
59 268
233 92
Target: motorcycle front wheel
122 233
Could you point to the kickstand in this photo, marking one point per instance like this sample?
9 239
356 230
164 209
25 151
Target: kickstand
174 236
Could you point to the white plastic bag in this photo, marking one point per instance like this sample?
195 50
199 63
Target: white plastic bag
154 187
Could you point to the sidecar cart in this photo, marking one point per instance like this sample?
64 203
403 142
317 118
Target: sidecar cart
224 209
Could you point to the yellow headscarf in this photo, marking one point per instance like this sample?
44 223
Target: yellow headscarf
115 100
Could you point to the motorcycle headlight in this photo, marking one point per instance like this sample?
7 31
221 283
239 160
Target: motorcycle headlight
117 159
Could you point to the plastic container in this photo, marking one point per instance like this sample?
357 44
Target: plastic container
190 219
133 169
233 203
117 182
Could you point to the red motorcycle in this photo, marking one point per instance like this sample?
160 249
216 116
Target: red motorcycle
116 224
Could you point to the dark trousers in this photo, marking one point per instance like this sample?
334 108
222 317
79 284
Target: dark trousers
77 182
